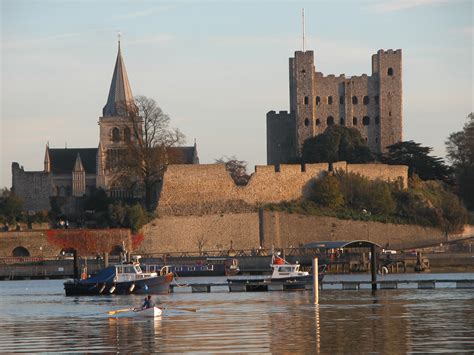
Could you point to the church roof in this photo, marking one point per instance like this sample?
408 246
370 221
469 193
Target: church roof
183 155
120 93
64 159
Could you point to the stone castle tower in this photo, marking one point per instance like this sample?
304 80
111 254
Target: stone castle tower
371 104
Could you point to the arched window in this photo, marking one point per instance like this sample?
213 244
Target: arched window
354 100
329 100
306 122
20 252
366 120
354 121
341 100
342 121
390 71
330 121
377 120
366 100
126 134
115 135
318 122
318 100
306 100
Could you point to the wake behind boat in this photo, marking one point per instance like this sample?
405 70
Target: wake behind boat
122 279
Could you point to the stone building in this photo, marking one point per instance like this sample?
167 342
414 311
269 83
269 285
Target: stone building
71 173
371 104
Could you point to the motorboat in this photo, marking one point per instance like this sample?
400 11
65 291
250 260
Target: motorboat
122 279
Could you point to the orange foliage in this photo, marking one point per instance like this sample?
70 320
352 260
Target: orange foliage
137 239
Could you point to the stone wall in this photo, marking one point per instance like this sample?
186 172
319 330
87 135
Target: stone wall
33 187
208 189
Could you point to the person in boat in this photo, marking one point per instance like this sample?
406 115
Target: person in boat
148 303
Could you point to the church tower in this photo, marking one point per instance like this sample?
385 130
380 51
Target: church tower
115 129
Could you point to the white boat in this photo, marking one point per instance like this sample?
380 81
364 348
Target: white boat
148 312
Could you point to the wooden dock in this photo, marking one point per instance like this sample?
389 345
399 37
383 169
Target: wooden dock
260 286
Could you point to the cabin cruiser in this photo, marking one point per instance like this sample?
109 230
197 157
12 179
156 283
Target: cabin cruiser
282 270
124 278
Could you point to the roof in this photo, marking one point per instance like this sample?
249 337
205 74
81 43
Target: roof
120 93
63 159
341 244
183 155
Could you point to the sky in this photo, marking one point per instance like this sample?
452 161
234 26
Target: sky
217 67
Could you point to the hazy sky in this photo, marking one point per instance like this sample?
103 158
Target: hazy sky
217 67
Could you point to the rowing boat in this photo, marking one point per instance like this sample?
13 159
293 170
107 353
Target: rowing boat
148 312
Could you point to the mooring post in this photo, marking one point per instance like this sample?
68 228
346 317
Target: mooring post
76 266
373 267
315 281
106 260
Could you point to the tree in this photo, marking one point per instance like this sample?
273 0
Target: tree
460 148
147 153
337 143
236 168
418 160
326 192
11 206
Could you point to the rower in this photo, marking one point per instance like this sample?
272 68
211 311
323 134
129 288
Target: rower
148 303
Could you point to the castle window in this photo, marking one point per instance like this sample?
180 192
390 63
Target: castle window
366 139
390 113
366 120
306 100
354 100
318 122
342 121
376 139
330 121
341 100
366 100
318 100
303 71
329 100
306 122
126 134
377 120
354 121
115 135
390 71
376 99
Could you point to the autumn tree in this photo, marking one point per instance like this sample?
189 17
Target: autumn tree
147 153
460 148
236 168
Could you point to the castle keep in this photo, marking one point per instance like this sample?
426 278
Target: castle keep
371 104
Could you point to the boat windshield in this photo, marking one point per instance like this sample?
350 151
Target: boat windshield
138 269
285 268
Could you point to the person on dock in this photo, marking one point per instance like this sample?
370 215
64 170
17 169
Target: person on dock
148 302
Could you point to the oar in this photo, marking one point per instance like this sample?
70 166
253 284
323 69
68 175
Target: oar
181 309
120 310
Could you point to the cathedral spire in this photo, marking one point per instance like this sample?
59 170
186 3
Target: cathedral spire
120 93
78 167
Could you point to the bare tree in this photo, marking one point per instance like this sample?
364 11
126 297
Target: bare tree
236 168
146 155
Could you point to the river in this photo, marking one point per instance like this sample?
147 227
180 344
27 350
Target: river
35 316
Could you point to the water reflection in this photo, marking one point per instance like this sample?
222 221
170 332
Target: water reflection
391 321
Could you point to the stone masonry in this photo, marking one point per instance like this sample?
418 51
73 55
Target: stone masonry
371 104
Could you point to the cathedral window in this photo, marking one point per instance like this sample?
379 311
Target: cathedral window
341 100
330 121
306 122
354 121
354 100
342 121
376 99
390 72
306 100
366 100
377 120
318 122
126 134
329 100
115 135
366 120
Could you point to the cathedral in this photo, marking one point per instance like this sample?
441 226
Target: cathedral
72 173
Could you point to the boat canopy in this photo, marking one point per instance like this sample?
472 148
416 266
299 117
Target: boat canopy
104 275
341 244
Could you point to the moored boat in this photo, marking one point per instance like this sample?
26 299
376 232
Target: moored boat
122 279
